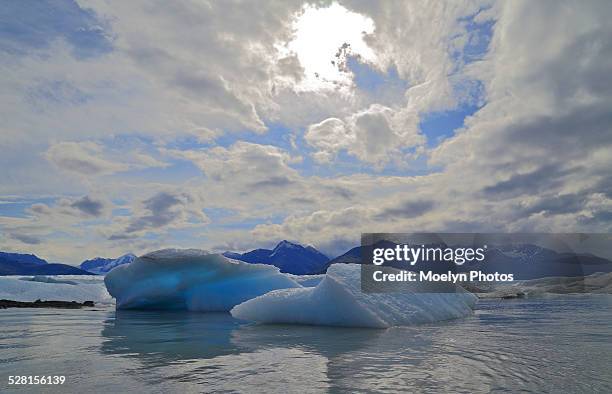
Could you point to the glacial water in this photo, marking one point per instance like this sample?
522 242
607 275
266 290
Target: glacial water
556 345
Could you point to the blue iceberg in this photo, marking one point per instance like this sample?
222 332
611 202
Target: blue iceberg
191 279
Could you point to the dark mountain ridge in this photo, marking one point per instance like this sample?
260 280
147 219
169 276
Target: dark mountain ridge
29 264
289 257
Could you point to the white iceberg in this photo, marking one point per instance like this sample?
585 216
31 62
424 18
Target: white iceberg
307 280
191 279
78 288
338 301
597 283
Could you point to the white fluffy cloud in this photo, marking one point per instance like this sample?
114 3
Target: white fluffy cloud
375 135
255 163
329 137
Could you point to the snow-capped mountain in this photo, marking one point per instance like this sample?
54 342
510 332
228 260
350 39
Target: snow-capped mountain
290 257
525 261
101 266
523 252
92 264
29 264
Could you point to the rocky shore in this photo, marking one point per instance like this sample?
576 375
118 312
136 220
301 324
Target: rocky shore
45 304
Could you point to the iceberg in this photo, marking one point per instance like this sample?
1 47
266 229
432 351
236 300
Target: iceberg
79 288
307 280
197 280
337 300
191 279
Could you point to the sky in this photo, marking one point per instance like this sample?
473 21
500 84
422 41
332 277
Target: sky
222 125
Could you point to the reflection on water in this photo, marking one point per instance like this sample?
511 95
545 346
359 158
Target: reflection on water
552 345
155 339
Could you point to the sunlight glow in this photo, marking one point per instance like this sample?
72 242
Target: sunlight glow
324 37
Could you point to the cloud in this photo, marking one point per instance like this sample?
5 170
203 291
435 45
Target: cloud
90 158
273 182
161 212
308 227
89 206
244 163
544 178
533 156
242 177
329 137
217 70
165 209
83 158
85 207
407 209
36 26
557 205
26 239
380 134
406 38
376 135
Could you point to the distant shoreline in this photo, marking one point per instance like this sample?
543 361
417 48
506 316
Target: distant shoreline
4 304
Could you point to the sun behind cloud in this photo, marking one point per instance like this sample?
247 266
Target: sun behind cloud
323 38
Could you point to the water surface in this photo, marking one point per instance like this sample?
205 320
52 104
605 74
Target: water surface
561 344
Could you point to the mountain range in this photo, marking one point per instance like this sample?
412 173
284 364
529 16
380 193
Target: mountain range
29 264
289 257
525 261
101 265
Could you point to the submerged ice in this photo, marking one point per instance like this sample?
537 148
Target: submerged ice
338 301
192 280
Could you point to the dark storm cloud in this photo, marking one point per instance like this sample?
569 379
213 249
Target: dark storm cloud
342 192
584 65
89 206
568 135
558 205
160 212
544 178
275 181
26 239
406 210
121 237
